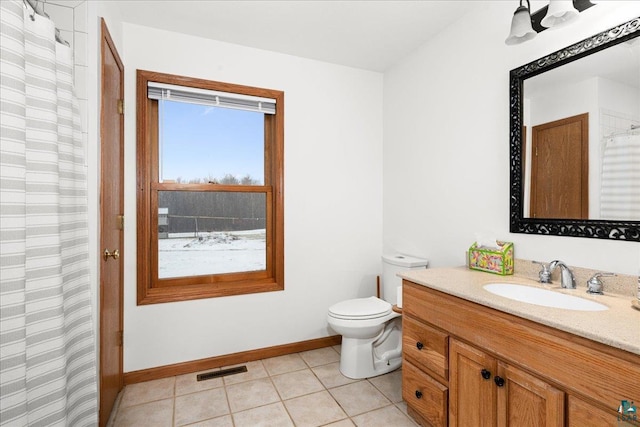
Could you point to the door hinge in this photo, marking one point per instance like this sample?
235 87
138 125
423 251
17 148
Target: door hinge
120 338
120 222
120 106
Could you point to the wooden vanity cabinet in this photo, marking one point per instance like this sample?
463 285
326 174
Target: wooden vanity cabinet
506 371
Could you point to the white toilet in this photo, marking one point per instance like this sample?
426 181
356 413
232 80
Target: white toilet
371 331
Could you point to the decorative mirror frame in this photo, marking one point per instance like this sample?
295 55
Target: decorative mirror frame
600 229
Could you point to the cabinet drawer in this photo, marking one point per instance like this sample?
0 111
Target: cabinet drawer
426 347
424 395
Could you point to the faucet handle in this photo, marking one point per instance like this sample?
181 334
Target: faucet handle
594 284
544 274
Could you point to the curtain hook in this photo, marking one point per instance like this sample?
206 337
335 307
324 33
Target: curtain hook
28 6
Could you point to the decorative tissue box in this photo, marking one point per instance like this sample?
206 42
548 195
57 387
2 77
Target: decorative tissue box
498 261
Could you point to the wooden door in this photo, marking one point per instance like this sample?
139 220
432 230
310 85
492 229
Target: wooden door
524 400
472 391
560 169
111 227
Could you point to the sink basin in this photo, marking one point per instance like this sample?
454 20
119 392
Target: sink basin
543 297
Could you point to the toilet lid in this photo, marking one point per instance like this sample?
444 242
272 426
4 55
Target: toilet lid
360 308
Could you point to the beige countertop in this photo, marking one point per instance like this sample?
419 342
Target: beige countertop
619 326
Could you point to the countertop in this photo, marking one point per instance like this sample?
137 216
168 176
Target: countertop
618 327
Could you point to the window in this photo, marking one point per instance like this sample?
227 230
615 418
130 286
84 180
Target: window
210 188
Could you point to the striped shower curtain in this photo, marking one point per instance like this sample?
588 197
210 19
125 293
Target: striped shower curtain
47 340
620 185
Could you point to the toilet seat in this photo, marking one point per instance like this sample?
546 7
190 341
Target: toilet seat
360 309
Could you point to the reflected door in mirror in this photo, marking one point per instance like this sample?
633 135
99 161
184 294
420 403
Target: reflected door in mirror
560 169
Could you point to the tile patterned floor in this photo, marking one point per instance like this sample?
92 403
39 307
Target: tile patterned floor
303 389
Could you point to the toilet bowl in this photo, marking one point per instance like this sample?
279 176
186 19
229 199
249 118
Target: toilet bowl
368 348
371 330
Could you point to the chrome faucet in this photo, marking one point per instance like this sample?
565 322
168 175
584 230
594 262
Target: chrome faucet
566 276
594 285
544 276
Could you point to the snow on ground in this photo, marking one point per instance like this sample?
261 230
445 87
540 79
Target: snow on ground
183 254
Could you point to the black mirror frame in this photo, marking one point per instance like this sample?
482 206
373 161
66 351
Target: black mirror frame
600 229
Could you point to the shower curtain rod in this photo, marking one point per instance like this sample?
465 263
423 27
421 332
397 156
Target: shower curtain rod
631 129
38 8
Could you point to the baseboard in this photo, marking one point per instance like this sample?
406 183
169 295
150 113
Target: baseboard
227 360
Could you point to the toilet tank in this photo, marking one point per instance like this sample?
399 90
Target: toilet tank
392 264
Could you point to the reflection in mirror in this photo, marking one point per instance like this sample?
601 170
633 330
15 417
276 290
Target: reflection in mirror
583 160
575 147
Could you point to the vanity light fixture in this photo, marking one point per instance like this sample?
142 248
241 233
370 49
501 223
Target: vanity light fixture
521 27
525 25
559 13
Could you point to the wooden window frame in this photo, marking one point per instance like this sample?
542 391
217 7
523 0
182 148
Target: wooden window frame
152 290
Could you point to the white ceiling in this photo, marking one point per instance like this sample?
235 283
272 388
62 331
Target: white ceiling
372 35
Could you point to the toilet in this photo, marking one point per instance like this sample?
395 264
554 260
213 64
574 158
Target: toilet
371 331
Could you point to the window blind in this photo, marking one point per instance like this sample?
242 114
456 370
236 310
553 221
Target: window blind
163 91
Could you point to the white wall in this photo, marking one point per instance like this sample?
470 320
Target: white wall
446 141
333 201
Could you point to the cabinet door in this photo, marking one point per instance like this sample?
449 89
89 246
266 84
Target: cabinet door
524 400
472 392
583 414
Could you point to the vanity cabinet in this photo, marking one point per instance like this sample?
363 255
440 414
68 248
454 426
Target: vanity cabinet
465 364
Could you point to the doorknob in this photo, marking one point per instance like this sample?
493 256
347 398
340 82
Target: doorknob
115 254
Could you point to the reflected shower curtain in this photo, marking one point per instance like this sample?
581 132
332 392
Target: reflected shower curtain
47 343
620 186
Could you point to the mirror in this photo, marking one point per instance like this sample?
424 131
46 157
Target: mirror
567 110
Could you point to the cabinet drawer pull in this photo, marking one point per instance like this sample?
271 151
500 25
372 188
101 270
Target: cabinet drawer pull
499 381
485 374
418 394
419 345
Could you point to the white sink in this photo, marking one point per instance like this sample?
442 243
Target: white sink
543 297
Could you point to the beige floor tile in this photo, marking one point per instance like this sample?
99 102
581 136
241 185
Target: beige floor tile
284 364
273 415
320 356
337 348
331 376
114 411
342 423
390 385
255 370
298 383
189 383
194 407
314 410
358 398
402 406
148 391
224 421
384 417
251 394
157 414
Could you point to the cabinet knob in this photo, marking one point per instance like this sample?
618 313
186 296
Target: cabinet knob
499 381
419 345
418 394
485 374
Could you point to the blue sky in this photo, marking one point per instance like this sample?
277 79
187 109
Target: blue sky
199 141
